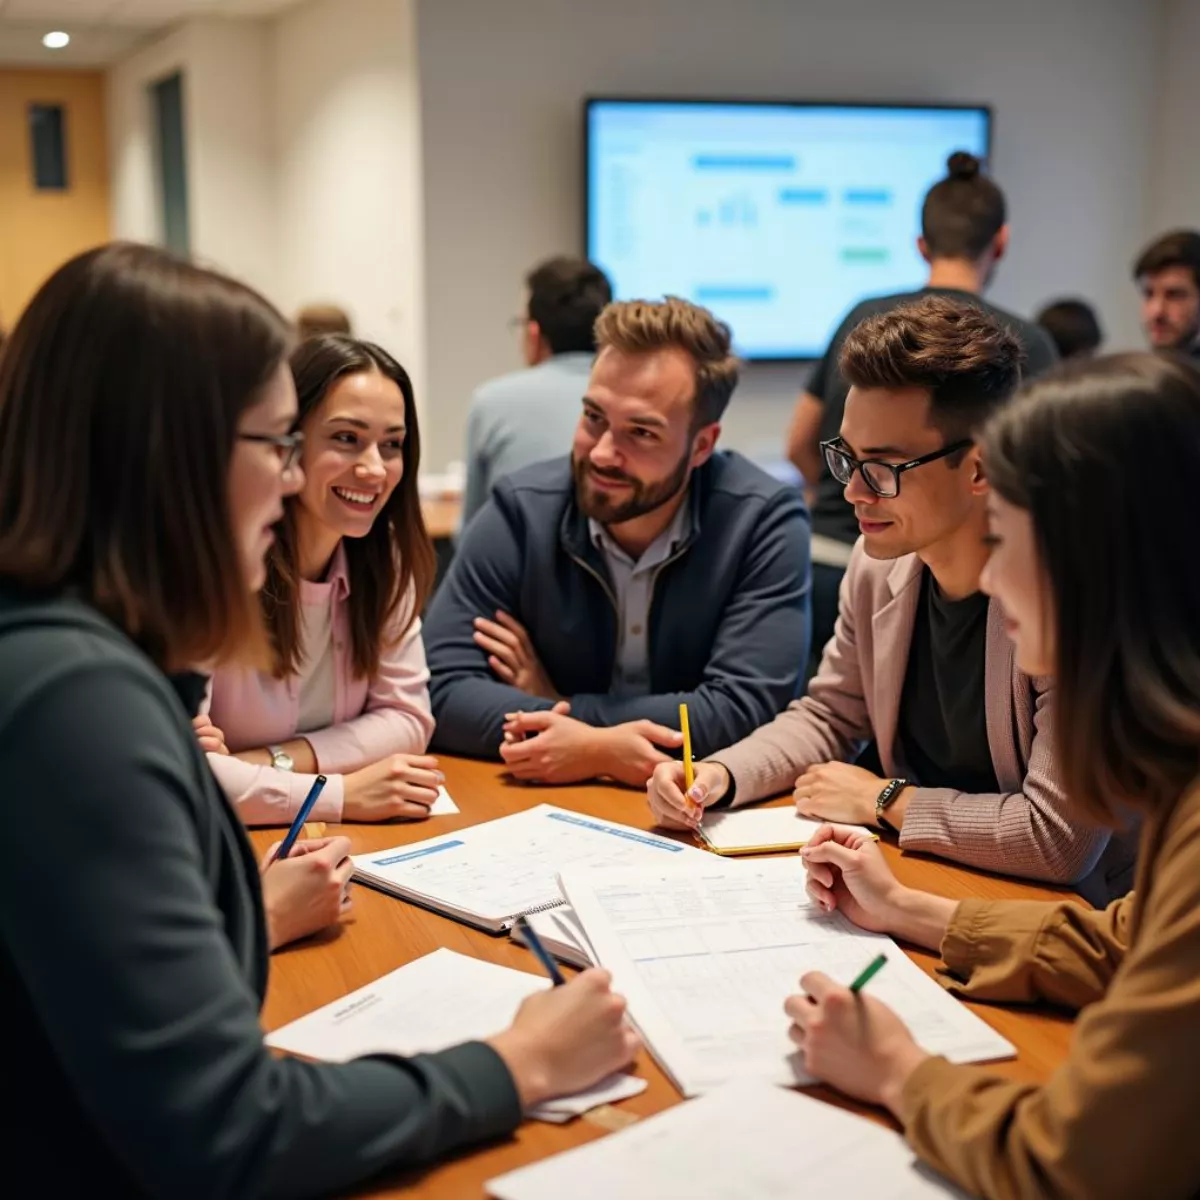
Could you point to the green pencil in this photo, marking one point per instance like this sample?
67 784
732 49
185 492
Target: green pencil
868 973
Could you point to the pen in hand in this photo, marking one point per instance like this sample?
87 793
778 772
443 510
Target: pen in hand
540 952
868 973
314 794
689 769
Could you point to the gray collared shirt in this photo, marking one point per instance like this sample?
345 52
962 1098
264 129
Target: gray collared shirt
633 586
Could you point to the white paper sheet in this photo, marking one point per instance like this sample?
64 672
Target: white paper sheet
755 828
742 1142
492 872
706 958
444 805
436 1002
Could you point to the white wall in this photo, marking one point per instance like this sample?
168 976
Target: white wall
1177 174
135 206
229 140
304 159
1072 82
231 171
348 158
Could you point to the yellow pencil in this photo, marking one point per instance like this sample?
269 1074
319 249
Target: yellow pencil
689 774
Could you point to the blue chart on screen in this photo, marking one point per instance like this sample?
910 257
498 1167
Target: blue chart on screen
778 217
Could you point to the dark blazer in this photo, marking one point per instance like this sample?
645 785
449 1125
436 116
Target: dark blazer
729 616
134 957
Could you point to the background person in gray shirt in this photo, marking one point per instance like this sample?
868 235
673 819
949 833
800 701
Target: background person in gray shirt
530 415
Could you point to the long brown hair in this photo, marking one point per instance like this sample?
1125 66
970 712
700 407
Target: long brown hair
395 559
120 393
1104 456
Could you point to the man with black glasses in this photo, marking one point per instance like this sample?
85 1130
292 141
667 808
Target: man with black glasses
919 661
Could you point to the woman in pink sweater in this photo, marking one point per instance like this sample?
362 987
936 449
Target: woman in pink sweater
346 692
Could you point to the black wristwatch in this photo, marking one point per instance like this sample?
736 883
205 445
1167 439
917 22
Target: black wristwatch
889 793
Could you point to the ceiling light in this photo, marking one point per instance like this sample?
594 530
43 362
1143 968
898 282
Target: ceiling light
56 40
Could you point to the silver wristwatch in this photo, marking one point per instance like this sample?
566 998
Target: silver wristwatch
281 760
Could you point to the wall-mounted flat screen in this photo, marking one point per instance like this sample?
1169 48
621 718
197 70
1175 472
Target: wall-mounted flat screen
777 216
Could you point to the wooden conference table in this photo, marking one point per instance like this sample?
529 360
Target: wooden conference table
384 933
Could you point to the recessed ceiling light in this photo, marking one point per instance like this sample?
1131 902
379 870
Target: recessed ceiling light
56 40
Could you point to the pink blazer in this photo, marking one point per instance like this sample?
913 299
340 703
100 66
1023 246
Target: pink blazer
387 714
1026 829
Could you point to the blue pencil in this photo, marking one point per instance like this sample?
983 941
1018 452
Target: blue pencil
314 794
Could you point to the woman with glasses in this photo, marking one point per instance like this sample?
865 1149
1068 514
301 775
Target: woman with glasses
349 572
138 496
1094 561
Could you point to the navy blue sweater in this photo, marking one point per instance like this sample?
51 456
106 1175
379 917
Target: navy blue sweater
729 618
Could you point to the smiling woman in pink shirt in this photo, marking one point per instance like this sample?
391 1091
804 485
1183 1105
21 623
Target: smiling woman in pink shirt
347 578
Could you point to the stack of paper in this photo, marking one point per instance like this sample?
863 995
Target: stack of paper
490 874
707 956
560 932
436 1002
742 1142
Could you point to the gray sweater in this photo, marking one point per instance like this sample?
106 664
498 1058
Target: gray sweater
134 957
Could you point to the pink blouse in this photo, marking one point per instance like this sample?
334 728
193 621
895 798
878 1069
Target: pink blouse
373 718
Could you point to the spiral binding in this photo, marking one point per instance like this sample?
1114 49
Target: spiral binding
509 922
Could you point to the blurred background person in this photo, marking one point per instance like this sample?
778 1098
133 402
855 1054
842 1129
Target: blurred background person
1167 273
313 320
1073 327
531 414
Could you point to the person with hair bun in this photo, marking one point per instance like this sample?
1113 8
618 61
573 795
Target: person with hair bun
964 237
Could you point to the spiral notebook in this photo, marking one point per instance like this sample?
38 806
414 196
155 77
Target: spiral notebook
490 874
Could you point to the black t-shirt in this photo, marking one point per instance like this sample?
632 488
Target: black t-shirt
943 723
831 515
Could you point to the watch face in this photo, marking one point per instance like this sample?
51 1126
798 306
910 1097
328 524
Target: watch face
283 761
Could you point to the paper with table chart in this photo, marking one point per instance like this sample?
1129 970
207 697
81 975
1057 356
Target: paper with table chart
489 874
747 1141
435 1002
760 830
707 956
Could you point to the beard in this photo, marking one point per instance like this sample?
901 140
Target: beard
1176 338
642 496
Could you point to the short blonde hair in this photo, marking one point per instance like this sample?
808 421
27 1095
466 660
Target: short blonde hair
642 326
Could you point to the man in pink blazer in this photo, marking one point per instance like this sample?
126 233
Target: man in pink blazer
919 662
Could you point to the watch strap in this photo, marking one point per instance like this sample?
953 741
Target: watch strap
891 790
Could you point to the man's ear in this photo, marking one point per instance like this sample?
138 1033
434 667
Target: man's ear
974 464
704 442
1000 244
923 249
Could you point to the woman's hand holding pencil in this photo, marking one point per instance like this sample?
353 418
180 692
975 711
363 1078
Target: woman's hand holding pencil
677 806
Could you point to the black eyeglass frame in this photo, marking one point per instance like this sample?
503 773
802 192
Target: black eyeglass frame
834 450
289 445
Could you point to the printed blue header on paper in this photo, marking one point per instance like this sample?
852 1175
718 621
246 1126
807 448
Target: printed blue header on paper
392 859
630 835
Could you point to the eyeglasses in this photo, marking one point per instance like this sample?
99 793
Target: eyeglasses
287 446
881 477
